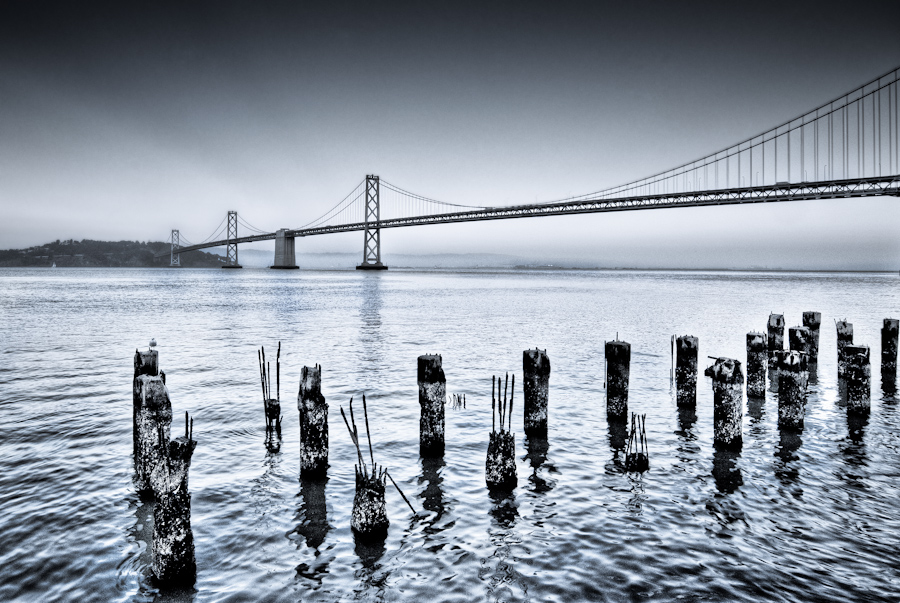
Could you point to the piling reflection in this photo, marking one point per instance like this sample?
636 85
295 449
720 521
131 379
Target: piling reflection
504 508
756 409
856 426
312 514
726 473
787 470
432 495
813 368
889 382
687 416
618 438
369 548
536 455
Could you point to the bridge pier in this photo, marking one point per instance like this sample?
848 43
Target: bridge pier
175 257
372 236
285 257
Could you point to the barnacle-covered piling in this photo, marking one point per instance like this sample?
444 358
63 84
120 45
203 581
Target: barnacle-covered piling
844 338
812 321
889 333
637 454
536 389
313 423
792 379
775 337
728 403
686 348
432 396
756 365
500 465
618 368
859 378
173 562
153 414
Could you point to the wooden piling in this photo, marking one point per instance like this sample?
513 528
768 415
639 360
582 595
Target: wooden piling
637 453
173 562
812 321
775 337
500 464
154 413
145 363
859 378
432 396
536 387
889 349
728 403
618 363
792 380
757 363
271 405
686 370
844 338
800 340
313 423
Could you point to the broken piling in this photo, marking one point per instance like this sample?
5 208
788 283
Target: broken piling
618 367
756 365
859 378
313 423
536 387
792 380
152 413
432 395
844 338
775 337
686 348
728 403
889 333
500 464
812 321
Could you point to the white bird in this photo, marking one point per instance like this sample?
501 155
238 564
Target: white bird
152 342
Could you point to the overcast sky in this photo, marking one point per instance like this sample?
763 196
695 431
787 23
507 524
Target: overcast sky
124 120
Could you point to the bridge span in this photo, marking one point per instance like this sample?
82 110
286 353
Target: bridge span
850 145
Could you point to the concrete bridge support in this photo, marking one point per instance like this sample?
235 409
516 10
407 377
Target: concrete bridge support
285 257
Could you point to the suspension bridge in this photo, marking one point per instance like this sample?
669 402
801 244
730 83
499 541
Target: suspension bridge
846 148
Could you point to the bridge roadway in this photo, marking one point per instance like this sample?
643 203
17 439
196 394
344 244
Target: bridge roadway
781 192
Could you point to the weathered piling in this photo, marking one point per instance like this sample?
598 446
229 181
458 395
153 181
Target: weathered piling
618 367
271 406
756 365
432 395
536 387
800 340
686 348
859 378
500 464
792 380
844 338
637 454
775 336
728 403
173 562
812 321
154 413
889 348
145 363
313 423
369 518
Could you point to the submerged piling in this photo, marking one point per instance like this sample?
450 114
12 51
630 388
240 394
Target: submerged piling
775 337
536 387
153 415
812 321
500 464
844 338
173 562
792 380
313 423
432 395
728 403
756 365
859 378
686 348
889 349
800 340
618 367
271 406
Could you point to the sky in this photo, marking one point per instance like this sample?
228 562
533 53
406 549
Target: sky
125 120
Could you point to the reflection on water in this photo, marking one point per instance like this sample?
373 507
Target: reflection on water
756 410
726 472
787 470
813 368
536 453
433 495
687 416
889 382
369 549
856 426
618 436
312 514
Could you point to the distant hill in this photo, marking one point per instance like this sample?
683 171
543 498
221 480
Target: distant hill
114 254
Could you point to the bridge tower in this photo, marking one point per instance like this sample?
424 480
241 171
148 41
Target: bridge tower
175 257
372 236
231 254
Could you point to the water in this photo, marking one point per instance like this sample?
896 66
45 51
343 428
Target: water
809 517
